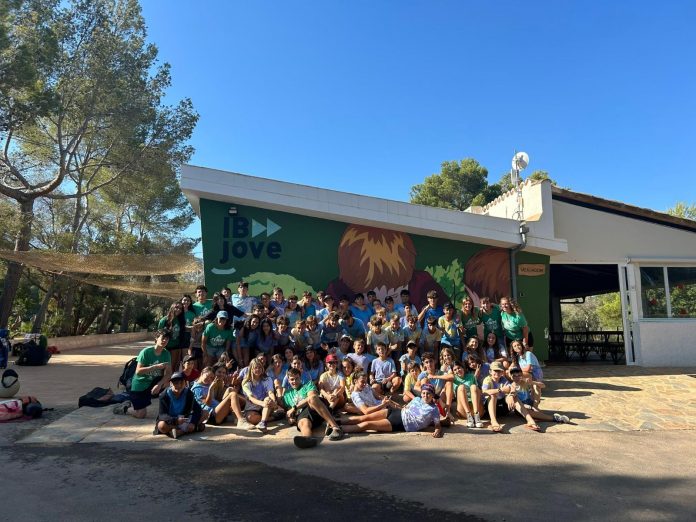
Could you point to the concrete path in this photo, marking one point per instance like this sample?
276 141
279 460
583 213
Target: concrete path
629 455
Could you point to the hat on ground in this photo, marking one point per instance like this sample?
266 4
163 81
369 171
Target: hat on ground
222 314
497 367
177 376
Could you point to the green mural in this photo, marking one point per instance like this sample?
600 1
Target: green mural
296 252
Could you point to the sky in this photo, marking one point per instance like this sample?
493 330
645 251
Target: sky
370 97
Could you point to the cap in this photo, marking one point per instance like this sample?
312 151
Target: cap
310 347
428 387
331 358
432 320
177 376
189 358
515 369
497 367
346 336
222 314
411 343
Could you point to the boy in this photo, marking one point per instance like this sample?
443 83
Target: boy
189 370
308 307
396 337
242 299
361 359
450 326
179 412
383 376
443 387
151 376
411 356
353 327
202 306
360 310
430 338
405 307
376 334
431 309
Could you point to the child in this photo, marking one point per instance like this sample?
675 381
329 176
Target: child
313 332
430 338
282 334
308 307
299 336
526 397
189 370
195 349
396 336
179 412
376 334
360 358
383 376
529 364
292 311
495 389
411 356
467 393
414 369
332 385
360 310
450 326
331 332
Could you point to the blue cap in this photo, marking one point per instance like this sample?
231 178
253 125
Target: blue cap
222 314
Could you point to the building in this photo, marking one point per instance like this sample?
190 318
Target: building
568 245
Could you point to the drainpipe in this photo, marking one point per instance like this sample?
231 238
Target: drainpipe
524 229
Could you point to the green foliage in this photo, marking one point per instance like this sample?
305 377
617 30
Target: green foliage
260 282
455 187
609 311
683 210
598 312
450 278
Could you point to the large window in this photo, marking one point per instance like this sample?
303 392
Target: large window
668 292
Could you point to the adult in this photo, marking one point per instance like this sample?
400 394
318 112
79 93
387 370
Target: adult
152 373
418 414
489 314
514 323
470 319
306 410
179 412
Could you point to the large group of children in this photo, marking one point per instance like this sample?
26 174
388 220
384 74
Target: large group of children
355 364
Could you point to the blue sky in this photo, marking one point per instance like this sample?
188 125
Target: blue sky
371 96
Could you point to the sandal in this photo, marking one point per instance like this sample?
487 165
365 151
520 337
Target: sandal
496 428
533 427
304 442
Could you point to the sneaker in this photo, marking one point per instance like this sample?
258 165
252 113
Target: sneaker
262 427
244 425
477 421
174 433
328 430
557 417
304 442
469 421
336 434
122 409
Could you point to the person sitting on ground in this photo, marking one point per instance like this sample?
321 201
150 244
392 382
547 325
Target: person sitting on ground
383 375
215 398
216 338
151 376
525 359
348 373
277 371
443 388
189 370
313 365
466 392
496 391
261 398
527 403
332 384
410 382
306 410
179 412
364 398
418 414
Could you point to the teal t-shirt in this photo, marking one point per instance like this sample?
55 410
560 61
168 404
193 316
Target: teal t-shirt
512 325
190 315
293 396
175 329
470 323
492 322
202 309
216 337
149 357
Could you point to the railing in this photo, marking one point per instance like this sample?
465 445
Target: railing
565 346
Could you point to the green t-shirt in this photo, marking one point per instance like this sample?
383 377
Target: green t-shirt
216 337
470 323
492 322
202 309
175 329
190 315
293 396
467 381
148 357
512 325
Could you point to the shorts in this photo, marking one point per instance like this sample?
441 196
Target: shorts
313 416
501 407
216 351
385 388
140 399
394 418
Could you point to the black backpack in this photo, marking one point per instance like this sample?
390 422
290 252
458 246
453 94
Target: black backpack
126 377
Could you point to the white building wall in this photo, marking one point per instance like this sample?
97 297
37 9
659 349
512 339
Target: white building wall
601 237
668 342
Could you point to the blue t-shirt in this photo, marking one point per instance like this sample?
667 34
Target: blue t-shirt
245 304
363 360
418 414
305 378
315 373
383 369
362 315
260 389
530 363
438 383
405 360
307 311
364 398
200 392
436 312
357 329
176 404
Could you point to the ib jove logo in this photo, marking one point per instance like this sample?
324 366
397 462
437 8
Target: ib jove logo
242 237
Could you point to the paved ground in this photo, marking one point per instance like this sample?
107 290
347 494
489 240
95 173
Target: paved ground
627 457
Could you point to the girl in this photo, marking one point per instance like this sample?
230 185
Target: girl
189 314
247 338
277 371
175 322
313 364
474 346
470 318
467 394
446 359
529 364
348 372
266 341
289 353
313 332
293 312
261 398
332 385
216 339
282 334
215 398
514 323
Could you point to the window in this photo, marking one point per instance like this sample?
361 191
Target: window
668 292
682 291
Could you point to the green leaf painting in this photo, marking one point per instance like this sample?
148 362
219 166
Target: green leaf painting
450 278
260 282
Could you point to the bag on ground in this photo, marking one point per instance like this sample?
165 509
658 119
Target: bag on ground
10 409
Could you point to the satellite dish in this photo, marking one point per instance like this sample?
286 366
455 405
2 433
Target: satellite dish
520 161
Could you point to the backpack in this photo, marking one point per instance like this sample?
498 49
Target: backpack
32 354
31 407
126 377
96 398
10 409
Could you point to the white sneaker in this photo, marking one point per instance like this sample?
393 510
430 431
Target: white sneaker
469 421
557 417
477 420
244 425
262 427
